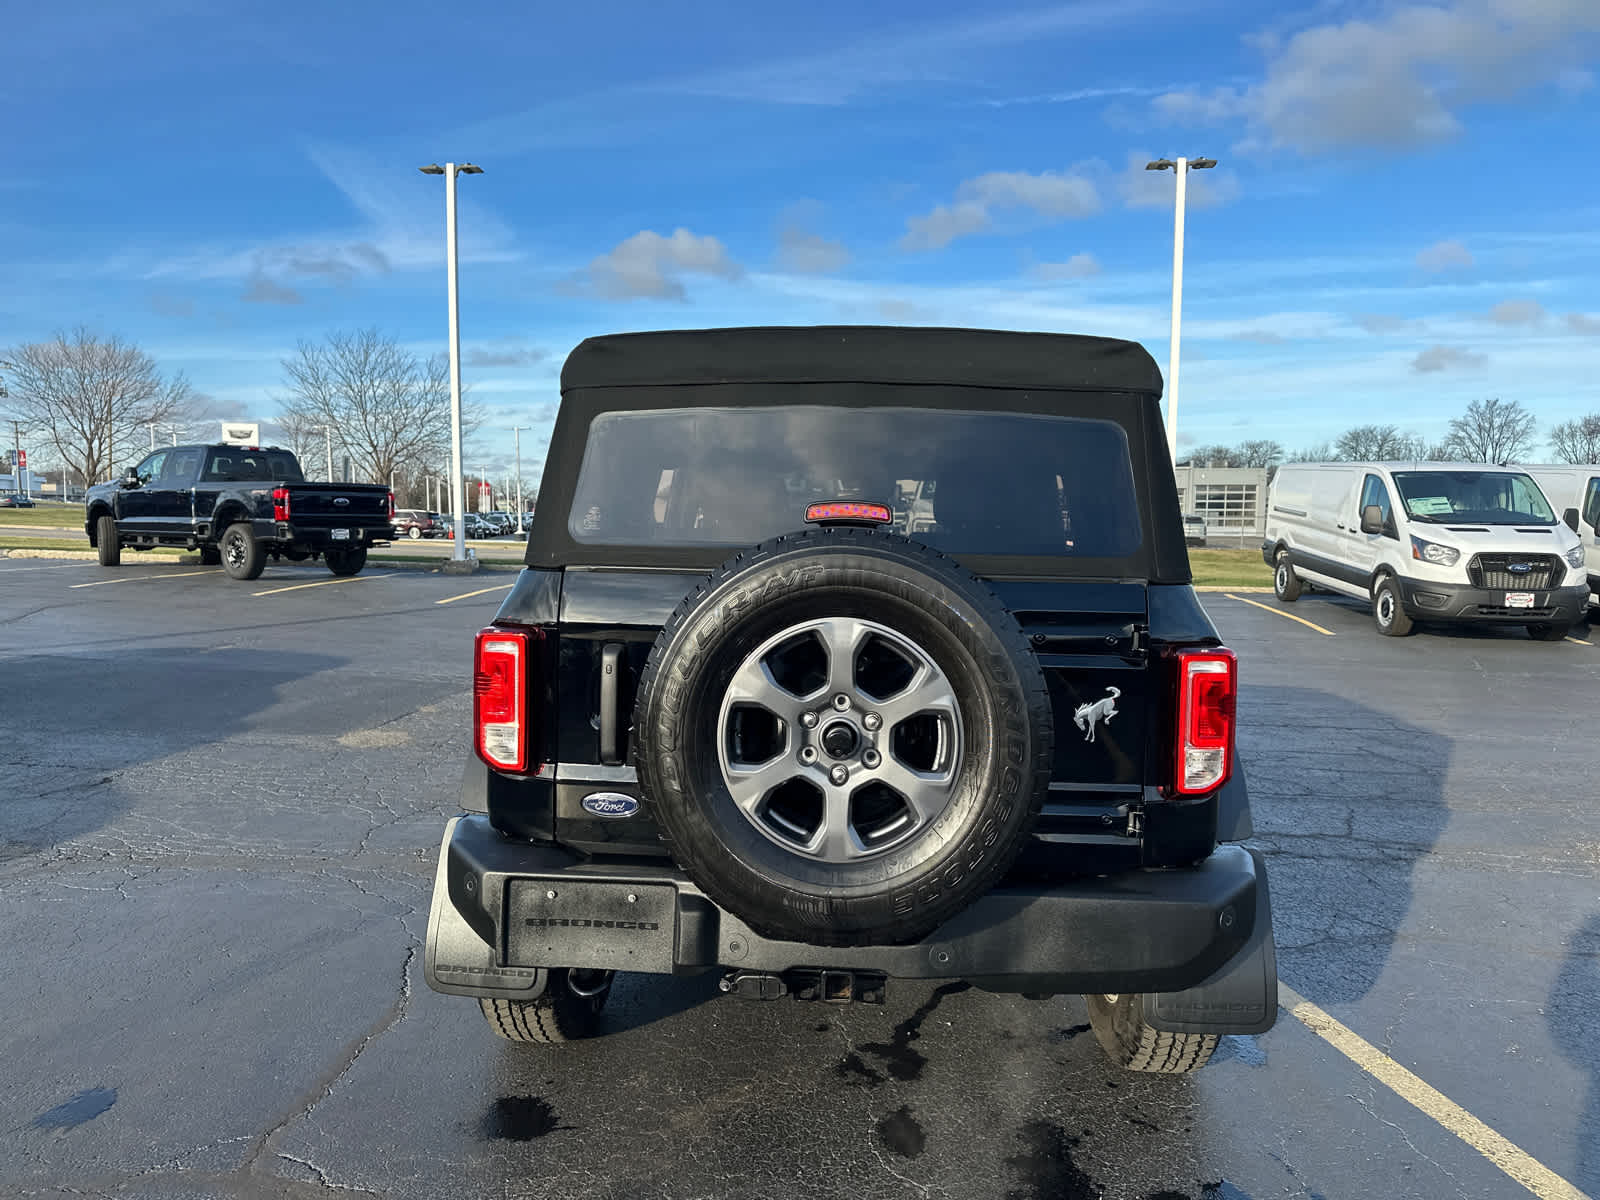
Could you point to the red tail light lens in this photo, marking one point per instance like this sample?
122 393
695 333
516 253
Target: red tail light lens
1208 688
499 690
280 504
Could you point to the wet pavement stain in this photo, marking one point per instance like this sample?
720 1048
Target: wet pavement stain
1067 1034
520 1119
1221 1190
82 1108
854 1070
901 1061
1046 1169
1246 1049
900 1132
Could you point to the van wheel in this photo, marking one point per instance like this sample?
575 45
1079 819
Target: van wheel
1387 610
242 556
1548 633
569 1010
1135 1045
105 542
1285 583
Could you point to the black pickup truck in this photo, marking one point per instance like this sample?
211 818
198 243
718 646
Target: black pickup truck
733 718
237 505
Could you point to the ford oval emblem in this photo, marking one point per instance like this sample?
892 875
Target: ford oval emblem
1519 568
341 500
610 804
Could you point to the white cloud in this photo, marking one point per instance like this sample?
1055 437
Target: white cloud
1446 358
648 266
1399 79
1051 195
1381 323
1079 266
1517 312
1142 188
1583 323
1261 337
1443 256
809 253
264 291
508 352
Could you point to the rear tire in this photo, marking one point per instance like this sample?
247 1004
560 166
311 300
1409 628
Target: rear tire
1387 611
560 1015
1548 633
1285 583
346 562
105 541
1135 1045
243 557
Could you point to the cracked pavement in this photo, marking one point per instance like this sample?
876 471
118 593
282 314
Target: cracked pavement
218 824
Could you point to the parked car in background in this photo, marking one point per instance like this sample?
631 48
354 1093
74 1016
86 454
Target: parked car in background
1194 529
415 524
1427 541
16 500
1574 493
504 522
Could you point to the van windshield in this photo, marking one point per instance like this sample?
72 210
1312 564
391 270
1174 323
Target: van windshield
1481 497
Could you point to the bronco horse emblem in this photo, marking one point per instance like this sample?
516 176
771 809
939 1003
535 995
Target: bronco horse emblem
1088 716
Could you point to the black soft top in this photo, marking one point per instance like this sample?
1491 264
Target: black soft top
862 354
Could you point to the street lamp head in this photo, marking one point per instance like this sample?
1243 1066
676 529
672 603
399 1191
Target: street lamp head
1161 164
1201 164
432 169
469 169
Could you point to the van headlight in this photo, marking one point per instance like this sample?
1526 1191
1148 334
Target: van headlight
1575 557
1433 552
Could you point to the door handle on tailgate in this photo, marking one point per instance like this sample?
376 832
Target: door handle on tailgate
610 671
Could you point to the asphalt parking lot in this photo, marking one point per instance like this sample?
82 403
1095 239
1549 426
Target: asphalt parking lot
219 810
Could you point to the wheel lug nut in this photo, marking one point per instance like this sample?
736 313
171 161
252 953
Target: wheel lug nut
808 719
871 758
839 775
808 754
841 702
872 720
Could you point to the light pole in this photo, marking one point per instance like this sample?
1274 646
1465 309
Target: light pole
516 432
1181 168
457 499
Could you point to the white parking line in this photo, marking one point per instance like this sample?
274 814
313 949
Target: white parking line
1280 613
295 587
1514 1161
480 592
141 578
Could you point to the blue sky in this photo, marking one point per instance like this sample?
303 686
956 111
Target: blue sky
1406 216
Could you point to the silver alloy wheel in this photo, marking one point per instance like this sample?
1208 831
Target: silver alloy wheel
804 715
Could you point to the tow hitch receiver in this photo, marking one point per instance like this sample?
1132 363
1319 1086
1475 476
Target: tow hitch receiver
830 987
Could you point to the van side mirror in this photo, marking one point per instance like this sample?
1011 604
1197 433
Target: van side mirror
1372 519
1570 519
130 477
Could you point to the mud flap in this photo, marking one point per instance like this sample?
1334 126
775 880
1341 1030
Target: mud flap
456 961
1242 997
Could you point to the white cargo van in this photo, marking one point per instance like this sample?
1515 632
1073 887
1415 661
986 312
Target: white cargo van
1426 541
1574 493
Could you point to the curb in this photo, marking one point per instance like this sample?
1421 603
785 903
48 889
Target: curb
74 555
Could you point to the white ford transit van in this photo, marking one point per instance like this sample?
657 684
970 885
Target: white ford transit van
1426 541
1574 493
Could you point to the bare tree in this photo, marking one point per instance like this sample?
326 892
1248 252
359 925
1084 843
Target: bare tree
1321 452
1373 443
1492 431
1578 440
93 399
387 408
1259 453
1214 456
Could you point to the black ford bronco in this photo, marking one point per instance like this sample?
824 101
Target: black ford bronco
846 655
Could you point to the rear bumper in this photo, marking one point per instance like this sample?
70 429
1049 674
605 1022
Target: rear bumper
1426 600
503 909
320 537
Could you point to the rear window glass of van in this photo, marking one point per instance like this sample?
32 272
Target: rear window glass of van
1481 497
964 482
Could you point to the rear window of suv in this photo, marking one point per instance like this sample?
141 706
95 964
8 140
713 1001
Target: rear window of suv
986 483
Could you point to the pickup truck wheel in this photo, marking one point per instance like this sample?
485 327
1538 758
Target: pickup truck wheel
105 542
1387 611
1285 583
242 556
346 562
1120 1028
844 737
569 1011
1548 633
210 556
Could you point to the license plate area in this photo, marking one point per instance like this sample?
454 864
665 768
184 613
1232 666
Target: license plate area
340 535
559 923
1519 599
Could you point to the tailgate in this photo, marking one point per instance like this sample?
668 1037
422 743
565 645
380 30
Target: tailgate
324 506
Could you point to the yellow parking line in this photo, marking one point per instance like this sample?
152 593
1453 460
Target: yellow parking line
138 578
1278 612
1515 1162
480 592
295 587
1580 641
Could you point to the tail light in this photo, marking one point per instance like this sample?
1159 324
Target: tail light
280 504
391 506
499 698
1208 687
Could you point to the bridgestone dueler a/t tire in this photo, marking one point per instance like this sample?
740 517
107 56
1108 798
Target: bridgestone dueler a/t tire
106 544
1120 1028
1007 733
560 1015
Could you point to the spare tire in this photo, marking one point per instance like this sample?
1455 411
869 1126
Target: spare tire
843 736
